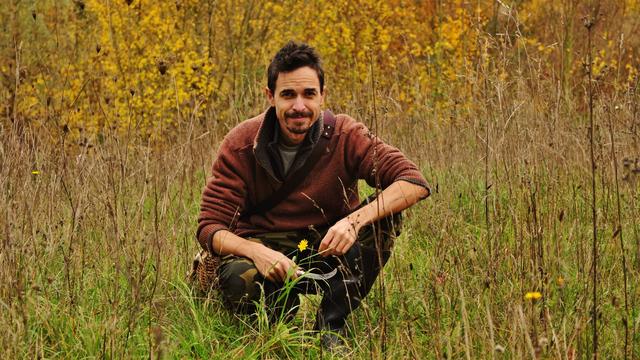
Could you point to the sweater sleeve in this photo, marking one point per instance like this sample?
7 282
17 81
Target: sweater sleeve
223 197
378 163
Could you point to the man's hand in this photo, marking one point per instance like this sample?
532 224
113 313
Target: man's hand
273 265
339 238
392 200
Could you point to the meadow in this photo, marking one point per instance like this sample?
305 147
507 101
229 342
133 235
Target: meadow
524 117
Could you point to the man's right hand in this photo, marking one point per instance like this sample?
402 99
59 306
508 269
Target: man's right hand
273 265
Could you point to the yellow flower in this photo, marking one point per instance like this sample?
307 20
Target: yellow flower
302 246
35 172
535 295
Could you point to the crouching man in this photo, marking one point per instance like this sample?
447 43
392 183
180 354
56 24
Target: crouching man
281 212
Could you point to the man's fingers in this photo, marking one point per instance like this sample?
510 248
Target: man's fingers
342 248
326 249
346 244
324 242
328 244
280 269
272 272
292 271
277 275
287 270
336 242
269 275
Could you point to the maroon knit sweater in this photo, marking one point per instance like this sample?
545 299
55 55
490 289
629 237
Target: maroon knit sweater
243 175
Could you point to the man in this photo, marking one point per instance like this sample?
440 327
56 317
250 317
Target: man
287 179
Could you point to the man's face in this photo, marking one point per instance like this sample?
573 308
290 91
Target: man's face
297 99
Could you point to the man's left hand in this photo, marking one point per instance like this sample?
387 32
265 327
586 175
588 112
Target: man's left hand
339 238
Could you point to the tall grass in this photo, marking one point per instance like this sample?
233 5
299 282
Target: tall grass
96 239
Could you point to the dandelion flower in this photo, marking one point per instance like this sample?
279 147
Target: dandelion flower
533 295
35 172
302 246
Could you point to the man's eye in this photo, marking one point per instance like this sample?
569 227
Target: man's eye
287 94
310 93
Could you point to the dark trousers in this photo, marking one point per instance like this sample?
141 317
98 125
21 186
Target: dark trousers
241 285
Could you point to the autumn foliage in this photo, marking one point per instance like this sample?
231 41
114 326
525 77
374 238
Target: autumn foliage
87 67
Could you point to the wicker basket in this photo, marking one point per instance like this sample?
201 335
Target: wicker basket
205 271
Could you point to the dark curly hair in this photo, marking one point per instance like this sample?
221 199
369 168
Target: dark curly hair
292 56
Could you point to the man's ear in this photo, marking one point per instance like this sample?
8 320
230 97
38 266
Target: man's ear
270 96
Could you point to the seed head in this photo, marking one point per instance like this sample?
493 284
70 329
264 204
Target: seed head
162 67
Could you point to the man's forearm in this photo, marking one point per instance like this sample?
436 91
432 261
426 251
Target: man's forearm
227 243
392 200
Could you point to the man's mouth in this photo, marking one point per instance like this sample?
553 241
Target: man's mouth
298 114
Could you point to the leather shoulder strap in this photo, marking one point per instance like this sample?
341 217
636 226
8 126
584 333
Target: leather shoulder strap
293 180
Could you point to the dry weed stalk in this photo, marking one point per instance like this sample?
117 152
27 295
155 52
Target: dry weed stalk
589 23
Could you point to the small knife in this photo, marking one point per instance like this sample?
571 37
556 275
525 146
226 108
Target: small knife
317 277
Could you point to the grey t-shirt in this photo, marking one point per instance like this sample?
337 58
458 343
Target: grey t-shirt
287 154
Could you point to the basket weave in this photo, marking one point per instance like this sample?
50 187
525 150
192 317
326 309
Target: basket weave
205 271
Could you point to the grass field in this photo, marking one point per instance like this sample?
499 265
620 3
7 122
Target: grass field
97 242
536 189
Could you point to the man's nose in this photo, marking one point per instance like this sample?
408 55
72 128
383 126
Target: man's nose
298 104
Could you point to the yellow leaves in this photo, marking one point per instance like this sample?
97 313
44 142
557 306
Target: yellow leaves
632 73
384 40
39 80
416 49
599 64
215 53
